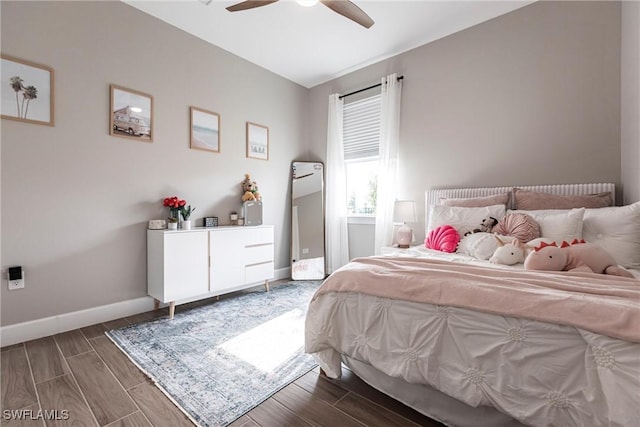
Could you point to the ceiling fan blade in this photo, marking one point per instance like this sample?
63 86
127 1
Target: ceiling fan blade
249 4
349 10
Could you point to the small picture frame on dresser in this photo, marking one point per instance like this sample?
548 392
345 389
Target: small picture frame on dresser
210 221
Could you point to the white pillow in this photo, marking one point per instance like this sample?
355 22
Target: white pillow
480 245
616 230
558 224
463 219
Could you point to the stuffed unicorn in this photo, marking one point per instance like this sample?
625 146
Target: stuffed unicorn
577 256
508 253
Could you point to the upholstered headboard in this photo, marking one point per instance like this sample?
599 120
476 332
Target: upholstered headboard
433 196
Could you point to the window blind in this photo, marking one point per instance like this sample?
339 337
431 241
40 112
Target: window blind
361 128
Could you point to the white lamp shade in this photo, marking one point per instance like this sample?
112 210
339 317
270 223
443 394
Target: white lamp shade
404 211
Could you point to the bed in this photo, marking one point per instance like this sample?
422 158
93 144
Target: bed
470 343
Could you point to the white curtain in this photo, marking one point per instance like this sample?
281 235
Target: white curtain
388 160
336 238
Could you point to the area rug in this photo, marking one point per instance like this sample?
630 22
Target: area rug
218 361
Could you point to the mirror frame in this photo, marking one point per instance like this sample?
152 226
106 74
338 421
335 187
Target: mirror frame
311 268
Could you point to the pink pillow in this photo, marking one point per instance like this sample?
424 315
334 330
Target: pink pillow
477 202
518 225
530 200
444 238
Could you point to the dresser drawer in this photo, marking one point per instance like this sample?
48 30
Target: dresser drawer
258 272
258 253
258 235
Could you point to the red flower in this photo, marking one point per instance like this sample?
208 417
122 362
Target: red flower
175 205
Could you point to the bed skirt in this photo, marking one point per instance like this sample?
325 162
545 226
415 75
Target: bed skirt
429 401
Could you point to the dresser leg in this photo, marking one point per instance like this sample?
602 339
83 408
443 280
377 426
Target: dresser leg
266 285
156 304
172 309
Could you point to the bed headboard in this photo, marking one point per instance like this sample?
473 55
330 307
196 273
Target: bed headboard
433 196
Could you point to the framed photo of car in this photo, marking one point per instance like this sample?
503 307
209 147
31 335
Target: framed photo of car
131 114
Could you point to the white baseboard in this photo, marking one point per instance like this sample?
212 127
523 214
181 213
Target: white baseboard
34 329
39 328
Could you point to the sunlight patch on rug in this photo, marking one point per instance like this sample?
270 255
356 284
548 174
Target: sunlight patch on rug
278 340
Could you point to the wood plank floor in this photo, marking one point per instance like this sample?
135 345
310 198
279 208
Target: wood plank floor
80 378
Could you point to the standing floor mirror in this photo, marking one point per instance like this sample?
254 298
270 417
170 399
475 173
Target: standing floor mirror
307 221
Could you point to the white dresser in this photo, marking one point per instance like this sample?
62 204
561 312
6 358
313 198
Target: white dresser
205 262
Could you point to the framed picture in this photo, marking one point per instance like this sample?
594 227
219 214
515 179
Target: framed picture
131 114
31 96
205 130
257 141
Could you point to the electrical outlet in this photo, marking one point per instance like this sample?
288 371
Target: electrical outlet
15 278
16 284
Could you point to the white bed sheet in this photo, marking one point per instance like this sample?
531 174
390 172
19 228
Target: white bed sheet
539 373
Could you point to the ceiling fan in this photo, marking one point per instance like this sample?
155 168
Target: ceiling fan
345 8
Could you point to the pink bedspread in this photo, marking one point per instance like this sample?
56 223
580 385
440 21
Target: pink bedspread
603 304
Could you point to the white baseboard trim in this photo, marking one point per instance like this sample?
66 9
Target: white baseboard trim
34 329
282 273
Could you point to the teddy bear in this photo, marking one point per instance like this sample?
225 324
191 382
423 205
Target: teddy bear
249 189
485 227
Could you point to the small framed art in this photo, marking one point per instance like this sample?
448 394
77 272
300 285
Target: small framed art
131 114
205 130
257 141
30 98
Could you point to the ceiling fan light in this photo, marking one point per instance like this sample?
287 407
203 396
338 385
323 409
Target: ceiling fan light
307 3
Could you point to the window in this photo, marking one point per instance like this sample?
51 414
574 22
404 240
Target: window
361 131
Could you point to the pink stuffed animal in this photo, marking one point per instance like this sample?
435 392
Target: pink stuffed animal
577 256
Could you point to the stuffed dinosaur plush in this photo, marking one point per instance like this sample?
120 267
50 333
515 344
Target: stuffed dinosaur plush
577 256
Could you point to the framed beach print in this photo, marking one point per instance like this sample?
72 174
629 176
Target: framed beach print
257 141
205 130
131 114
30 98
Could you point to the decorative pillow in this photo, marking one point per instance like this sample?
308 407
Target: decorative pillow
444 238
519 225
558 225
480 245
530 200
477 202
617 230
461 218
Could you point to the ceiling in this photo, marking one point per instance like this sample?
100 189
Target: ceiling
312 45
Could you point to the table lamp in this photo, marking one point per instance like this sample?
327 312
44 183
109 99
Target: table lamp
404 211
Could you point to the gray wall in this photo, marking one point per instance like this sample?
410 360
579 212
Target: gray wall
531 97
631 101
76 201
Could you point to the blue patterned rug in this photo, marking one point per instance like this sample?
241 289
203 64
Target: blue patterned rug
220 360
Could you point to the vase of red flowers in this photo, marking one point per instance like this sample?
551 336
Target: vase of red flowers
174 204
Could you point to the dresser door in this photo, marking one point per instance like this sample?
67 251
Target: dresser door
226 249
186 266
